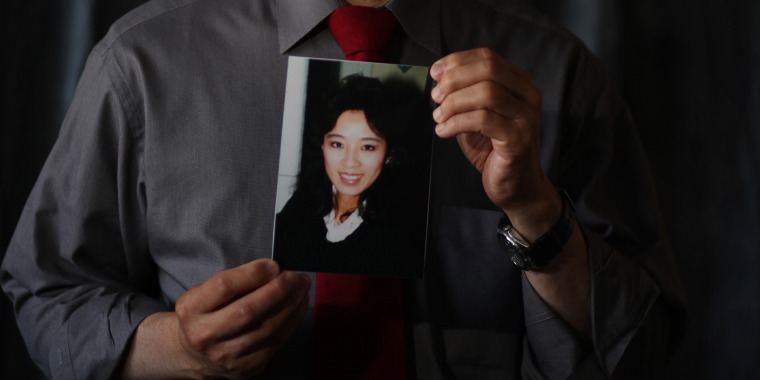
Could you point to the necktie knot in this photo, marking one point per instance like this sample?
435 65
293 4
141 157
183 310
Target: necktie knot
363 33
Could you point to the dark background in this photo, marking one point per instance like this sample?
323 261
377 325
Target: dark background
690 70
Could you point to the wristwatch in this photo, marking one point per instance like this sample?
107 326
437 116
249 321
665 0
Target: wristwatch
537 255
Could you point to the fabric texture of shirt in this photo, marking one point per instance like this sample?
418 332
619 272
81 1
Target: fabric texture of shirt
165 173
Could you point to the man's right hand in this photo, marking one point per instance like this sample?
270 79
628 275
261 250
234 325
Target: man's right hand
230 325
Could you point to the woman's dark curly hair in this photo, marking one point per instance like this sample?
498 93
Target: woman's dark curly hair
395 111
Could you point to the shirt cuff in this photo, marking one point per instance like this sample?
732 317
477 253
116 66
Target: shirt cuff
104 326
622 294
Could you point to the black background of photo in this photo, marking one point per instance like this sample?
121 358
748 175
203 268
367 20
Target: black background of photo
323 77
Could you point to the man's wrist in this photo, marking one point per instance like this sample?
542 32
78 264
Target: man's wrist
155 351
534 219
536 254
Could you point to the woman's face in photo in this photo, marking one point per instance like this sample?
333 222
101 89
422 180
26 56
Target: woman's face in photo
353 153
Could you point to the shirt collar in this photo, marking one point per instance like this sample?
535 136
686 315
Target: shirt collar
419 18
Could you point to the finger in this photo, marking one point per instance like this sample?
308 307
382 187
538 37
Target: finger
450 61
284 330
249 352
257 306
468 57
255 361
464 69
226 286
513 132
481 96
276 328
202 333
496 71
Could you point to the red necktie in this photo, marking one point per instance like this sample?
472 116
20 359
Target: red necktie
363 33
359 320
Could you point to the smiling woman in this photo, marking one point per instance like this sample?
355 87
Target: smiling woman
354 156
360 202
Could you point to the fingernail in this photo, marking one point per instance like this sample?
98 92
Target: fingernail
435 93
437 70
437 114
440 128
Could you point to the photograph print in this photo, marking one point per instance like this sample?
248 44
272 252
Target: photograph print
354 176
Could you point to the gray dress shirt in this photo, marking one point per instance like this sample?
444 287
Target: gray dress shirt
165 171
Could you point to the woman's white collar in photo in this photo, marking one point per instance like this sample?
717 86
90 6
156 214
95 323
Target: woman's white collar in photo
337 231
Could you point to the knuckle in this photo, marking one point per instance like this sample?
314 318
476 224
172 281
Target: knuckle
220 359
489 66
221 285
486 53
265 333
182 308
489 92
245 310
483 117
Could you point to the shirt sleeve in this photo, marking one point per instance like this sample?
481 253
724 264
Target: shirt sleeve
631 335
78 270
637 300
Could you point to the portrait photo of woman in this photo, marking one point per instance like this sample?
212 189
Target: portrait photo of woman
360 198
